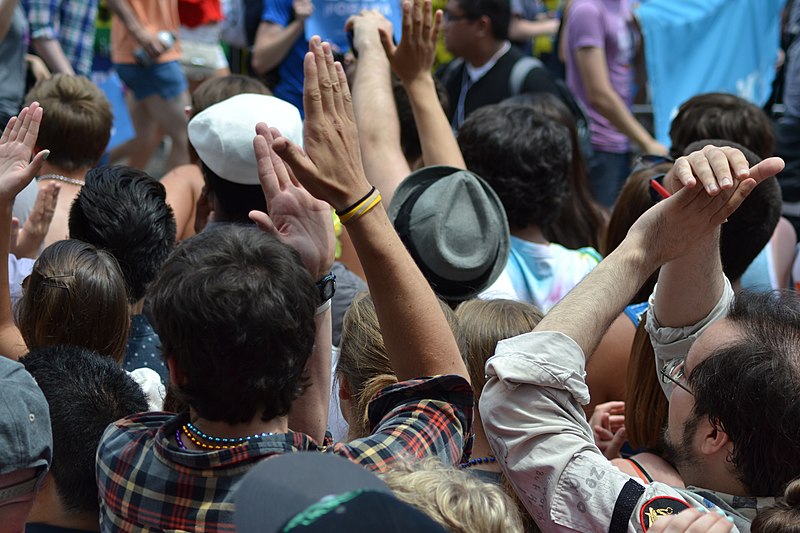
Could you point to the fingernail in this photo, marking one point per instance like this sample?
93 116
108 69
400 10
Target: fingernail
729 519
721 512
743 171
712 188
46 154
702 509
726 182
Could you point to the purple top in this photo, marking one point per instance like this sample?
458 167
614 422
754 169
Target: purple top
605 24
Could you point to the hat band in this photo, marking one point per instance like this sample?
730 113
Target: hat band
448 289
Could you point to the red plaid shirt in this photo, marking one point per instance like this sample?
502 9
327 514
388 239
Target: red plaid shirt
148 484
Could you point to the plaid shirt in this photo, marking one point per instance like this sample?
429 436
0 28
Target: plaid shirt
146 483
72 22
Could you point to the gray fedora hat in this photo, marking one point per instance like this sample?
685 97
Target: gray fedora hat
455 228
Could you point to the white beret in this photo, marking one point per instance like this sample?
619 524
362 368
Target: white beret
222 134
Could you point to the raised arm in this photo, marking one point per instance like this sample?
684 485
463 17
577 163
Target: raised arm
305 224
378 132
16 172
417 338
690 286
412 61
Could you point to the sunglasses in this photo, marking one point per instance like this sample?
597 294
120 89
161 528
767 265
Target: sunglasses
645 161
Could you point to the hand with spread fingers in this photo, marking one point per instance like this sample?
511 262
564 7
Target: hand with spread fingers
692 211
295 217
16 147
32 234
414 56
331 167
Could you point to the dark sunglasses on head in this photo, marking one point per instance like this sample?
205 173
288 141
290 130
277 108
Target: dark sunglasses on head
645 161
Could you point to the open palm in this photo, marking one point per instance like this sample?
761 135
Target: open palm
16 147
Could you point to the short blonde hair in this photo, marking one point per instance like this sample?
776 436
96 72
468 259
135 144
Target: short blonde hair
454 498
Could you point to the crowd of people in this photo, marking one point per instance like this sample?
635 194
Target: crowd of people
380 294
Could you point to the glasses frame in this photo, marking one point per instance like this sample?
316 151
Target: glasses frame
675 372
645 161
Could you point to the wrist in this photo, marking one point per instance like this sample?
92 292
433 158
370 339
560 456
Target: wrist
420 81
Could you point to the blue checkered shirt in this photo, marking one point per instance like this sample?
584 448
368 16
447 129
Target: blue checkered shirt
72 22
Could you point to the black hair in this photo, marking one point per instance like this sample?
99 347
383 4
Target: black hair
523 157
498 12
749 389
234 200
85 393
234 309
124 211
750 227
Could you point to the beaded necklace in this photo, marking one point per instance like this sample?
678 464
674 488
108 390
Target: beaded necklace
478 461
194 434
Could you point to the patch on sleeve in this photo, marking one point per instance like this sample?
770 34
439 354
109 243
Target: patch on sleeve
655 508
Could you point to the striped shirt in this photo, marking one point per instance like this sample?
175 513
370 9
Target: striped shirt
146 483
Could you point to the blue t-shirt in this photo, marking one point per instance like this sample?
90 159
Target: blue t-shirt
290 71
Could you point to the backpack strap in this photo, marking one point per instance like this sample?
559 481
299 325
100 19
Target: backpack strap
520 71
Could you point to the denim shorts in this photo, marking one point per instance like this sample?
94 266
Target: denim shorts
164 79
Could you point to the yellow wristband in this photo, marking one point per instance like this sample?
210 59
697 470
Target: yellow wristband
363 208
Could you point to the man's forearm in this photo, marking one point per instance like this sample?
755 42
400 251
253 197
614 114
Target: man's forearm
439 145
678 302
53 55
273 43
418 339
588 310
521 29
378 132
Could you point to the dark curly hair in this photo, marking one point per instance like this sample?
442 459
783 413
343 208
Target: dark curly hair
525 158
749 390
234 309
124 211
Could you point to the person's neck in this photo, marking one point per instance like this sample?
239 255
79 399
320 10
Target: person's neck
255 426
716 477
47 509
481 448
137 308
78 174
531 234
484 51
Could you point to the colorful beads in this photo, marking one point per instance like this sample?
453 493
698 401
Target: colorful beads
195 435
478 461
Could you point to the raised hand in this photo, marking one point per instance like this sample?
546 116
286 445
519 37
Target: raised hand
16 147
330 168
295 217
32 234
367 28
670 228
415 54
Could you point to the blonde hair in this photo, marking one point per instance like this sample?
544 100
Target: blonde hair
484 323
363 360
454 498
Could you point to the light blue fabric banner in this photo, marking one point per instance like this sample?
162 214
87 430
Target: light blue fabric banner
701 46
329 17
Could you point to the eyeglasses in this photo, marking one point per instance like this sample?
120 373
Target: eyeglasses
675 372
645 161
450 17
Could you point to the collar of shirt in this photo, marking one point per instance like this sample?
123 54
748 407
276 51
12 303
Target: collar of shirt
476 73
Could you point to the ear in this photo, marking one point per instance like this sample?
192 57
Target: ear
714 439
485 26
176 375
344 389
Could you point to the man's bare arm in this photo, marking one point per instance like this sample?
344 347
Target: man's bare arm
417 337
375 108
412 61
